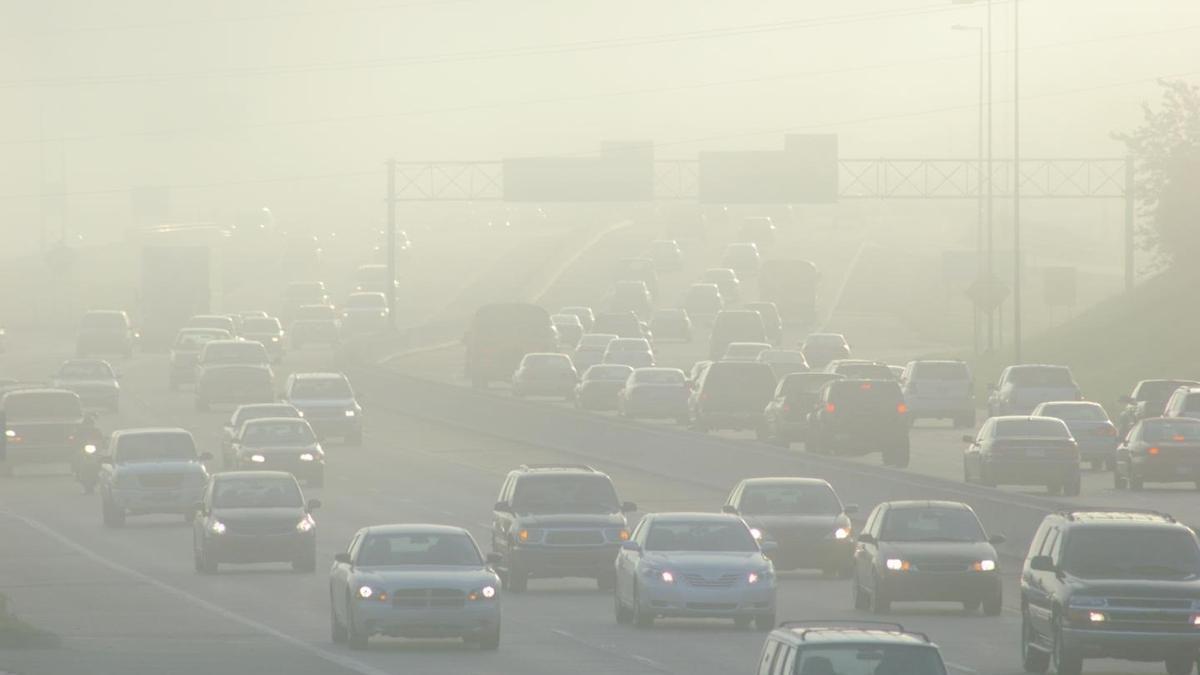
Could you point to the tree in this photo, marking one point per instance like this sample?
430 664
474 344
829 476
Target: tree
1166 151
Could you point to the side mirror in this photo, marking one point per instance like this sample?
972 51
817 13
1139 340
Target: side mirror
850 508
313 504
1041 563
631 546
502 507
205 457
343 558
494 558
198 507
729 508
968 438
628 507
866 538
997 539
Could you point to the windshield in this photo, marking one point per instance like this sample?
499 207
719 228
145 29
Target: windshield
49 405
218 322
325 387
103 321
1030 428
744 376
869 659
192 341
1075 412
658 377
866 371
133 448
798 499
608 372
85 370
565 494
260 326
235 352
388 550
278 433
257 494
1126 552
930 524
935 370
714 536
1057 378
1158 391
1182 430
255 412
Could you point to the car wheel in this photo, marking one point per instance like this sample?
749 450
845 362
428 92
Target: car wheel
337 630
1033 660
765 621
355 638
620 611
993 604
607 581
1072 486
518 580
879 601
1180 664
641 618
861 601
113 515
1066 660
491 640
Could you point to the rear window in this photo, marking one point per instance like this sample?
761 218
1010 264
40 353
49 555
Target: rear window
1041 377
1159 390
740 376
1174 430
1132 553
781 356
85 370
547 361
323 387
48 405
789 499
565 494
767 311
260 326
1029 428
658 377
629 345
825 340
608 372
869 659
932 370
867 394
1079 413
132 448
194 340
866 371
235 352
805 383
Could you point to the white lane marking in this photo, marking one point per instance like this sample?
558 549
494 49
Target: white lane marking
649 663
957 666
324 654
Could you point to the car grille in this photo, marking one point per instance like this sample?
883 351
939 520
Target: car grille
723 581
712 606
41 435
574 538
324 413
1157 603
261 527
424 598
161 480
941 566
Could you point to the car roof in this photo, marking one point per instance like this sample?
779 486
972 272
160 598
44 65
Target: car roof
250 475
414 528
850 632
785 480
557 469
1027 418
267 420
927 504
89 361
150 430
696 516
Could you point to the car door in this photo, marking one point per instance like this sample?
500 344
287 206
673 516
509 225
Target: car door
339 579
502 519
1042 585
627 561
864 552
973 455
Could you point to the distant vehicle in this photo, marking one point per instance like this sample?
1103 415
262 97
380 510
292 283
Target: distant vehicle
280 444
758 229
328 403
568 328
151 471
784 361
185 352
785 419
254 517
586 316
219 353
1022 388
46 426
1159 450
1132 571
805 519
301 293
403 248
671 324
697 371
821 348
590 350
253 314
266 330
858 417
666 255
414 581
635 352
792 285
727 281
599 385
632 296
703 300
1184 402
622 324
745 351
772 323
223 322
245 413
544 510
500 336
1016 450
742 258
179 276
638 269
655 393
694 565
731 395
545 374
814 647
1148 399
939 390
859 369
315 323
926 551
365 312
1089 426
373 279
93 380
734 326
103 332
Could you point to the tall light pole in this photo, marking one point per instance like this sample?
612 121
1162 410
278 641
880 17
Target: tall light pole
979 173
1017 181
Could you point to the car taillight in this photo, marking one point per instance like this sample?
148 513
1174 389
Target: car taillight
901 408
830 408
1152 451
786 408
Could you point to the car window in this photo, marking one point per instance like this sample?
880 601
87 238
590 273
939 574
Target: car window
866 371
235 352
547 362
869 659
261 326
321 387
50 405
1041 377
244 415
931 524
732 376
277 433
1075 412
194 340
85 370
565 494
789 499
715 536
867 394
418 548
1030 428
1127 552
256 494
607 372
658 377
134 448
1181 430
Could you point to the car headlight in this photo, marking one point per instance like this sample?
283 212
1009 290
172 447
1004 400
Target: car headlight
756 533
759 576
257 459
274 338
485 593
841 533
527 536
666 577
217 527
305 525
307 457
89 449
382 314
983 566
350 413
10 433
897 565
366 592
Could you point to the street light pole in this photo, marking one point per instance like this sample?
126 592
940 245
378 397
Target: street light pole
1017 181
979 173
391 241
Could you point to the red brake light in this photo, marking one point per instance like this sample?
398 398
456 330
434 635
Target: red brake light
901 408
1152 451
864 386
829 407
1178 438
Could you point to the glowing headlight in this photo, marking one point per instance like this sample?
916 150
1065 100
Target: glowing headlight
365 592
841 533
523 536
217 527
984 566
307 457
274 338
1097 617
667 577
752 578
350 413
897 565
756 533
10 433
623 535
89 449
305 525
487 593
257 459
383 314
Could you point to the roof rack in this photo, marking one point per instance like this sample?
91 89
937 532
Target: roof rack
561 467
817 625
1070 514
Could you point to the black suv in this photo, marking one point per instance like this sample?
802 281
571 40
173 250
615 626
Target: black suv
1121 584
554 520
823 647
857 417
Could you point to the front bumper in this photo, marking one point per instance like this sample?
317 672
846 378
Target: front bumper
474 618
1133 645
681 600
564 561
962 586
179 500
293 465
248 548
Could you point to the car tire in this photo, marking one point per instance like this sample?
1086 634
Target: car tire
879 601
993 604
641 619
517 580
337 630
622 613
607 581
1066 661
354 639
1072 487
861 600
765 621
113 515
490 641
1033 660
1181 664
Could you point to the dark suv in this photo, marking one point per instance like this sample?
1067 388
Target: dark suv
1110 583
823 647
857 417
554 521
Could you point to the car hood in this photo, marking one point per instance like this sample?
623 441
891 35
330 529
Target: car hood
322 402
150 468
917 551
797 523
262 514
426 576
573 520
1179 589
704 562
280 449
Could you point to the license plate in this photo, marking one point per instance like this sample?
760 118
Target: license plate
1036 452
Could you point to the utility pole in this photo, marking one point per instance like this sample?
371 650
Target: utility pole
391 241
979 192
1017 181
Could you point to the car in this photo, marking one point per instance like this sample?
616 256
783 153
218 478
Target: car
784 362
785 418
247 517
1022 450
666 255
671 324
185 352
315 323
735 326
1160 450
821 348
568 328
743 258
860 369
1184 402
280 444
245 413
403 248
500 335
328 402
153 470
373 279
558 520
1110 583
772 322
939 390
253 314
365 312
1089 425
1148 399
804 517
223 322
638 269
233 371
703 300
236 352
634 352
599 386
745 351
727 281
1021 388
266 330
705 565
830 647
586 317
621 324
299 294
632 296
545 374
105 332
47 426
854 417
731 395
655 393
590 350
926 551
425 581
93 380
757 229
